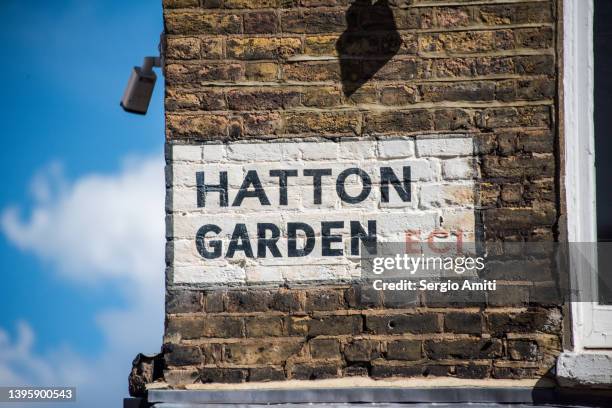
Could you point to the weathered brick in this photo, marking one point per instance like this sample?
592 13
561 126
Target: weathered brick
319 45
172 4
345 122
221 326
454 67
512 193
312 71
395 299
495 65
400 69
261 99
355 371
363 296
318 3
176 100
403 323
361 350
263 352
365 94
211 48
411 18
287 301
541 37
409 44
535 12
506 90
212 100
385 370
204 72
180 355
297 326
313 371
211 4
261 22
473 371
273 326
519 218
453 119
197 126
465 91
540 191
263 47
325 299
181 377
463 348
263 124
528 116
536 270
535 64
261 71
183 48
452 17
202 23
263 374
321 97
546 321
213 353
223 375
516 370
535 89
250 4
454 298
398 121
399 95
462 322
485 143
334 325
523 349
359 45
518 166
324 348
535 141
196 327
188 100
506 142
215 301
248 300
313 21
183 301
467 41
404 350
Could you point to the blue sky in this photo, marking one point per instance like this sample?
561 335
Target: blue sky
72 158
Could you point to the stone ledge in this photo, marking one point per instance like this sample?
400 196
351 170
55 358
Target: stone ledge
443 392
585 370
380 395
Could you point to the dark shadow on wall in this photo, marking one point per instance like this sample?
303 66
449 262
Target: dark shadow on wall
369 42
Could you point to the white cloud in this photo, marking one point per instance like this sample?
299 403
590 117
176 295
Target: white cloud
100 228
19 364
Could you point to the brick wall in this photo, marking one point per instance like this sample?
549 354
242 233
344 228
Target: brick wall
269 69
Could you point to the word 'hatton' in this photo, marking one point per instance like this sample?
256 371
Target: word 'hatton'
252 187
301 237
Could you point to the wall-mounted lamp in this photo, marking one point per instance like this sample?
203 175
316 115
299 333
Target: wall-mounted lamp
139 89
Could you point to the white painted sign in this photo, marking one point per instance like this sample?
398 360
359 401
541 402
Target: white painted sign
300 211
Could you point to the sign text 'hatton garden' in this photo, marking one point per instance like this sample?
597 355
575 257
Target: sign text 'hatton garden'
298 211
